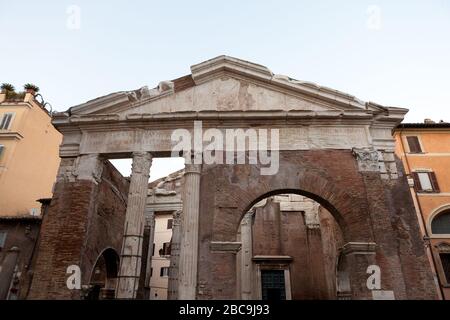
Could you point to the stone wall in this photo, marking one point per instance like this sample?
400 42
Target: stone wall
84 218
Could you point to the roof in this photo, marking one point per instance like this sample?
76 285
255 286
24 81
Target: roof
442 125
21 217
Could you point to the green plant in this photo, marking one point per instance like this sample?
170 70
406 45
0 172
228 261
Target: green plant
7 87
13 96
31 87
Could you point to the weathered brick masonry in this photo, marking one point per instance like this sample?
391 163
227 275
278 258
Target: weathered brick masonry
367 209
83 220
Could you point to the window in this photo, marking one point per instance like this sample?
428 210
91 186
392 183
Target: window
151 272
165 251
273 285
169 223
164 272
425 182
2 239
414 144
6 121
2 147
153 250
441 223
445 261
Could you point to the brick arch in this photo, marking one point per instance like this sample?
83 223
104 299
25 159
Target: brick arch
112 260
248 187
318 189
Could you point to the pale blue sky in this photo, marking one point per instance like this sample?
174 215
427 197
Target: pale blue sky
396 53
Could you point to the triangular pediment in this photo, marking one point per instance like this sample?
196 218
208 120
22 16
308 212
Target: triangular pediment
226 84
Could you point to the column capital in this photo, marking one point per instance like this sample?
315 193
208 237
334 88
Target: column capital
248 217
193 168
142 154
141 162
177 216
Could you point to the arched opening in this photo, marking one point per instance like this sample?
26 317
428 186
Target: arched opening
104 276
291 249
440 224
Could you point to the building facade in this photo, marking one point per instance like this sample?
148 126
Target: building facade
162 214
159 281
425 152
325 145
29 160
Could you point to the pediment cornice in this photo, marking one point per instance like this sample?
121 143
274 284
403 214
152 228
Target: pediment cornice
326 98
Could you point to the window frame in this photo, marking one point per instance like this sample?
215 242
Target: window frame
12 114
441 249
161 272
433 215
165 250
432 178
419 141
445 275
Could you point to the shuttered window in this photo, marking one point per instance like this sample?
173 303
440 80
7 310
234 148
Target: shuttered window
165 251
6 121
425 182
414 144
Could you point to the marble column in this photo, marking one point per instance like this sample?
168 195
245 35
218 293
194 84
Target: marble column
174 256
189 236
131 254
246 256
150 225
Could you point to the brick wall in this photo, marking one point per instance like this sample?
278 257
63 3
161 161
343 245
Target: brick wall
366 208
83 219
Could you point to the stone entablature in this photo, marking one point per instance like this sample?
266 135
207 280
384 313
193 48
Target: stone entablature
227 93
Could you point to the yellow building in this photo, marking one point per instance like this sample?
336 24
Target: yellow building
28 154
159 280
424 149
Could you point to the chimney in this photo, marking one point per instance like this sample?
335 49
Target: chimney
428 121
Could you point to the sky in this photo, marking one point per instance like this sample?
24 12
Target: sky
396 53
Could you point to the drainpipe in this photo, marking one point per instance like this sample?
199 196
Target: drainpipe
422 223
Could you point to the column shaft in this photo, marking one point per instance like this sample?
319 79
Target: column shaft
189 239
174 256
131 254
246 257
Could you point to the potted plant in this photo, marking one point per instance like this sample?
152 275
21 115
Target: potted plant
31 88
7 88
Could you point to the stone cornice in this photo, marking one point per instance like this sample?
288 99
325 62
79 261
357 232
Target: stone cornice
10 135
240 69
261 259
63 120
